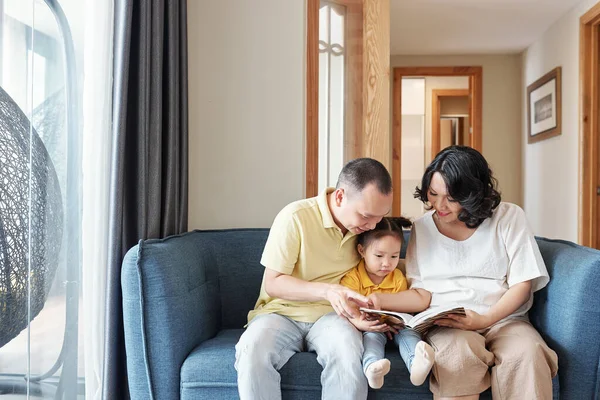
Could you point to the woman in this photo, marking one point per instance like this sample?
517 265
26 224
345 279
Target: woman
476 251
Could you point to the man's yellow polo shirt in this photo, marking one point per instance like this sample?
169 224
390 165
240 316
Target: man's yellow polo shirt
358 280
305 242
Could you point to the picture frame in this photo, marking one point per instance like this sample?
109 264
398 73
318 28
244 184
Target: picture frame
544 107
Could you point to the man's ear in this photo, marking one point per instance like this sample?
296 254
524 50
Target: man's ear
338 195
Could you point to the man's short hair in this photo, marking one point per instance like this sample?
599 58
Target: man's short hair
360 172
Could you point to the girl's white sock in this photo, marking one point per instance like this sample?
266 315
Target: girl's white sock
422 363
376 372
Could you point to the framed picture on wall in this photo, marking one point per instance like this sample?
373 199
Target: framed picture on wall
544 108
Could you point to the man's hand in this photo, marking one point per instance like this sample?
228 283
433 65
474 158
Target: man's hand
363 324
471 322
345 302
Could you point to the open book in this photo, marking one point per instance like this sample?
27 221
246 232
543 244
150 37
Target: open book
421 322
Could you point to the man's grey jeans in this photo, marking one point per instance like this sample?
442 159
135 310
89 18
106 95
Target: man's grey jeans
271 340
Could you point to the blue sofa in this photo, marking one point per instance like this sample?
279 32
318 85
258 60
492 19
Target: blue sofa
186 297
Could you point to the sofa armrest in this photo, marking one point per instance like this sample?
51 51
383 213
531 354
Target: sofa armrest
170 305
567 314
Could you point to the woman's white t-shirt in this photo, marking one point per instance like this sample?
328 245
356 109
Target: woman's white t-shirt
476 272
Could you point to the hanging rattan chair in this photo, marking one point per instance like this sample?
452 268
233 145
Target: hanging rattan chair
31 220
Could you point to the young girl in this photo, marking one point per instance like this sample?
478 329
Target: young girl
377 273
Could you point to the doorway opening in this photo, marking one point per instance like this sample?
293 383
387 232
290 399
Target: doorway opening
473 118
450 122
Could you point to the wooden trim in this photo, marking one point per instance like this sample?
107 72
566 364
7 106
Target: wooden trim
376 81
354 79
471 107
450 92
476 89
435 125
590 18
438 71
461 130
436 94
475 75
588 127
312 98
396 143
557 130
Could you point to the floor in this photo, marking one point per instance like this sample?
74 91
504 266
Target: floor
47 331
24 397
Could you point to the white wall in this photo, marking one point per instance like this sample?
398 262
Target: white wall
550 167
413 144
501 112
246 110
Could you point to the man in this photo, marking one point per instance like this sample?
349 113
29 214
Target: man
302 306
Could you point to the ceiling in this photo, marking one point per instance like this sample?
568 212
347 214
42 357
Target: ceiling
443 27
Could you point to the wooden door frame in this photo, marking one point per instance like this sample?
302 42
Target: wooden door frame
588 126
475 75
312 98
436 95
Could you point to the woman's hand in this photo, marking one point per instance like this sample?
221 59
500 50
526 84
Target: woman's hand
510 301
366 325
471 322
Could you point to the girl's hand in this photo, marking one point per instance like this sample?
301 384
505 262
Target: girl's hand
365 325
374 301
471 322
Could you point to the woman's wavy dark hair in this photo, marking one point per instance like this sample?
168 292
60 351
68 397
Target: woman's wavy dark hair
388 226
469 181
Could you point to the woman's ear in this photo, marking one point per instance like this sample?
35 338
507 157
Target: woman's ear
361 250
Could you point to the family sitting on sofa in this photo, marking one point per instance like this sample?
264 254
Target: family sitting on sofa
327 256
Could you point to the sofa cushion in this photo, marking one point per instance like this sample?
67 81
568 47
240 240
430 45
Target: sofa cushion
212 364
210 367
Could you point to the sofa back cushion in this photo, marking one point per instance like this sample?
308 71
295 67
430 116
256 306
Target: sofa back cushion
567 314
236 256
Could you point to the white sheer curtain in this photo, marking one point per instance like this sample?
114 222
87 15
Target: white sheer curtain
97 112
39 61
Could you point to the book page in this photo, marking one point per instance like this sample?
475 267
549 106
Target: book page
424 321
376 313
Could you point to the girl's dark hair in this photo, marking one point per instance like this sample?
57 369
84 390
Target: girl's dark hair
469 181
388 226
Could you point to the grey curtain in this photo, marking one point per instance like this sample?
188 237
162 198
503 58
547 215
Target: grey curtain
149 182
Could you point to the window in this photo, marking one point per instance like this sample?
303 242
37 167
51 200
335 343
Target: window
332 65
334 85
